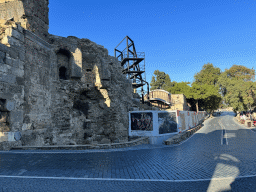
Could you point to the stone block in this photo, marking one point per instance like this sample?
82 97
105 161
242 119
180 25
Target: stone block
105 141
3 48
4 68
8 78
3 136
4 127
28 137
14 33
20 29
3 117
76 71
17 136
27 126
88 133
66 135
15 88
7 40
8 106
11 136
20 80
16 116
13 53
108 130
6 95
15 63
9 61
2 57
98 138
21 55
100 131
88 140
17 72
21 64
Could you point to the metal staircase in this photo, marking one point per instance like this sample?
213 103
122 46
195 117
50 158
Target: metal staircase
133 65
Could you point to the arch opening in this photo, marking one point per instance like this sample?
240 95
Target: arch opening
63 57
63 73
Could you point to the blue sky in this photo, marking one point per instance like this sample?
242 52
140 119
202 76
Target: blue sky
177 36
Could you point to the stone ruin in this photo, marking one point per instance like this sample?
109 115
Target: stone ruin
56 90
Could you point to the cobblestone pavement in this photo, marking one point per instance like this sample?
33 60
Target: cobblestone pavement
221 148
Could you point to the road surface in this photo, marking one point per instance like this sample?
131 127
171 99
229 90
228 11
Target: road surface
221 156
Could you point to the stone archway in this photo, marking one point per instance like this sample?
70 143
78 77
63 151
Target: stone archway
63 63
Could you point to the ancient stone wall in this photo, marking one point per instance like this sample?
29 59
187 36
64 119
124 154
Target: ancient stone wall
37 89
179 102
31 14
12 85
60 91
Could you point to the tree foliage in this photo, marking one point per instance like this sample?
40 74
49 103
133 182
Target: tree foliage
180 88
236 85
208 75
209 95
205 88
238 88
160 80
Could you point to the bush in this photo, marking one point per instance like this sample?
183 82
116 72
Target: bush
242 121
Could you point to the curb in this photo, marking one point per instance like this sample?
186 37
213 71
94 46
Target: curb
184 135
140 141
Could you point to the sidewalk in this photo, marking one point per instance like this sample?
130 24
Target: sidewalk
253 128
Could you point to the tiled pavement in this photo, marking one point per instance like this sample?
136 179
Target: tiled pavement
202 156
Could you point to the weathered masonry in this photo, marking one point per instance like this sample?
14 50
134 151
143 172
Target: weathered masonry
56 90
166 100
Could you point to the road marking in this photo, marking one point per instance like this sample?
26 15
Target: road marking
115 179
224 138
221 136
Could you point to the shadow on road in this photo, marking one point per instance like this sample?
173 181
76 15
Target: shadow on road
228 148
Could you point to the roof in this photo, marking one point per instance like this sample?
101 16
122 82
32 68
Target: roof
158 99
161 90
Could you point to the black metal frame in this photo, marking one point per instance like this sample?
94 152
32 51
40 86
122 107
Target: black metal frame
131 62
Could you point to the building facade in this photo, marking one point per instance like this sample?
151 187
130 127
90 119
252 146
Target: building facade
165 100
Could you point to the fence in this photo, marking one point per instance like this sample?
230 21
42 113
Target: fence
162 124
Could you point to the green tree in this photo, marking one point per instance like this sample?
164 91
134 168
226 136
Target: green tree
248 94
160 81
208 94
213 101
208 75
238 88
180 88
205 88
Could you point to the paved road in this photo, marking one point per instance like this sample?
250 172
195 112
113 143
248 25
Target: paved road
219 157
